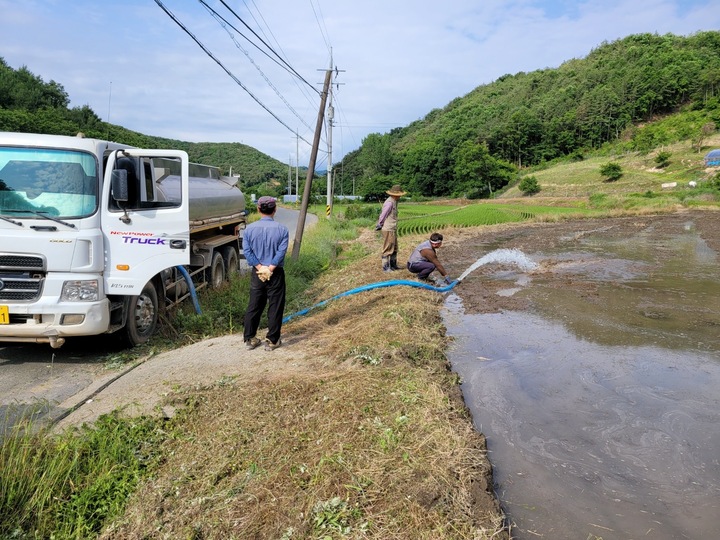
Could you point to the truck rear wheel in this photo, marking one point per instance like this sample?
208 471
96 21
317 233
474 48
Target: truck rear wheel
142 316
216 271
232 261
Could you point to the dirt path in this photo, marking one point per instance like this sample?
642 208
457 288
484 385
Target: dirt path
143 389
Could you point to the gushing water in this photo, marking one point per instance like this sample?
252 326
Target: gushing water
503 256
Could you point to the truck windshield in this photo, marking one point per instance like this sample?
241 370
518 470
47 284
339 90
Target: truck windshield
40 182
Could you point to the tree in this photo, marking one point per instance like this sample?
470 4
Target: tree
705 131
611 171
376 157
421 165
477 173
375 187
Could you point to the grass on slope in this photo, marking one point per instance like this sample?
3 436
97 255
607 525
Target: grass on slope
640 174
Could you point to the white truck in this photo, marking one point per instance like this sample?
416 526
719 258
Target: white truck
97 237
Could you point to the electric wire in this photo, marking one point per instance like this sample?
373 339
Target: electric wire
341 112
280 62
321 26
265 29
301 88
265 43
226 70
224 24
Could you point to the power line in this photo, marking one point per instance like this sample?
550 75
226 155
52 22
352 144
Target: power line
262 28
264 43
177 21
321 25
223 23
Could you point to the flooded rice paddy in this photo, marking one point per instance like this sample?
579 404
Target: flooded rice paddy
600 398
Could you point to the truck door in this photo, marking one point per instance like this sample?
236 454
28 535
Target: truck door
143 236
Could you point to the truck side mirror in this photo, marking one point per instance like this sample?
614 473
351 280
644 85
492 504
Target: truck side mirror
119 185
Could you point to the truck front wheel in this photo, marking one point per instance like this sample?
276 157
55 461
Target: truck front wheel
142 316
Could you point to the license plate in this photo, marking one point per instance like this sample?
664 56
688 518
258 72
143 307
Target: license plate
4 315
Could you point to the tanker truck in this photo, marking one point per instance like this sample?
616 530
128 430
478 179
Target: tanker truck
98 237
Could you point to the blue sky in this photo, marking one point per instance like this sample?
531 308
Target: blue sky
398 59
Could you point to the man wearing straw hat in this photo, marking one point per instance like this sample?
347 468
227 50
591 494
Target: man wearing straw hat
387 222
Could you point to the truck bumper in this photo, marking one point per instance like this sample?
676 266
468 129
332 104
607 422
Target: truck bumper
40 323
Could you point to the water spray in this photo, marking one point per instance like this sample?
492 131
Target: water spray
506 256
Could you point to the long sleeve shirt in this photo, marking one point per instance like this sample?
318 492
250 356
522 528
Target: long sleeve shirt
388 215
265 242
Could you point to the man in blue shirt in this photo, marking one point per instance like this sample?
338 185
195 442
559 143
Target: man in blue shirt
265 243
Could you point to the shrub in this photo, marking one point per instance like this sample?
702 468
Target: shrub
529 185
714 182
362 211
662 159
611 171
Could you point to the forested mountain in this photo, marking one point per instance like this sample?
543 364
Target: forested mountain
28 104
478 142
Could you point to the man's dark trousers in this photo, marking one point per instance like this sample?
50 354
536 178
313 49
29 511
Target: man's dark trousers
270 293
422 268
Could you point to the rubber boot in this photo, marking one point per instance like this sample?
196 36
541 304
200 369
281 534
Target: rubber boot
393 262
386 264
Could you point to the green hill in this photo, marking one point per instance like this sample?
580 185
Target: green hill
607 103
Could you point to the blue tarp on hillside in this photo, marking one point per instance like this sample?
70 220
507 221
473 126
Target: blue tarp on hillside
712 159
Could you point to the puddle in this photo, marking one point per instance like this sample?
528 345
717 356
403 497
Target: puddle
601 409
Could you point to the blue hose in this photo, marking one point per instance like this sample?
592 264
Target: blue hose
377 285
191 286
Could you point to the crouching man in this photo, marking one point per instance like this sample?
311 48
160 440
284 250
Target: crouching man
423 261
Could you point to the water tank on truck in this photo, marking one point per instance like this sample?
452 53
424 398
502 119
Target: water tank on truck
217 219
212 197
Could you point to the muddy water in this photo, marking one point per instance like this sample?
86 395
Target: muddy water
601 410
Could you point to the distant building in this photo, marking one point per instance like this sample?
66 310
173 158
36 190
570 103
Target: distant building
712 159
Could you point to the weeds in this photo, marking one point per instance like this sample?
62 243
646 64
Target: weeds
68 486
336 515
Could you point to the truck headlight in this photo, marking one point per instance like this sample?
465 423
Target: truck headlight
80 291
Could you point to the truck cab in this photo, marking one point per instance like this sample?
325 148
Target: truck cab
77 258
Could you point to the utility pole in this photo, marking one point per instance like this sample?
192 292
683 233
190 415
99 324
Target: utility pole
330 194
297 166
289 177
311 168
331 117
